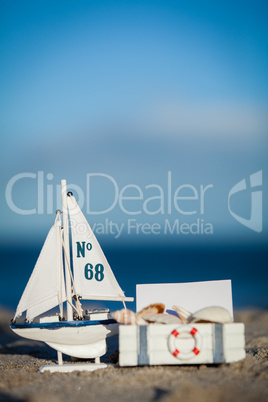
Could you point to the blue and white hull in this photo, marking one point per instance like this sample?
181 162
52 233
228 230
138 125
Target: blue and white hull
82 339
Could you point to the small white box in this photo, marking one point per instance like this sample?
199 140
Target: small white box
183 344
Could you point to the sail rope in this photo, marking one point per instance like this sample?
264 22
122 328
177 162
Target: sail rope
78 307
61 271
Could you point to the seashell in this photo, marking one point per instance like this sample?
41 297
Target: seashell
163 319
157 308
128 317
183 314
207 314
212 314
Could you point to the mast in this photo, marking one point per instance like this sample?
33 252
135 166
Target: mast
67 250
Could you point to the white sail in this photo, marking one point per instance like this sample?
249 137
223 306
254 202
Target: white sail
93 277
45 288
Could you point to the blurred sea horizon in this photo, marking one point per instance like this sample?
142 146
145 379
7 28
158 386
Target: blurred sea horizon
137 264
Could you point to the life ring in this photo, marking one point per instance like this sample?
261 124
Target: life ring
181 354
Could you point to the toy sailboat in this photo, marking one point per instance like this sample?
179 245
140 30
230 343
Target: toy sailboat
57 279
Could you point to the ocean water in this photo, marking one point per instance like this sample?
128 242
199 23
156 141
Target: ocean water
245 266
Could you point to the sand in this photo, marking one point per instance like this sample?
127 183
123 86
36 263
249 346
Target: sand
246 380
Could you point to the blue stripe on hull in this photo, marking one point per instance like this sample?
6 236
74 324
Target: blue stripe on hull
61 324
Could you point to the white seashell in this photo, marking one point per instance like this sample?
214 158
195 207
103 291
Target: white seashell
157 308
163 319
212 314
183 314
207 314
128 317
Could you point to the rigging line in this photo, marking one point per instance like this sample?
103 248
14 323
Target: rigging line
78 309
61 271
68 264
68 301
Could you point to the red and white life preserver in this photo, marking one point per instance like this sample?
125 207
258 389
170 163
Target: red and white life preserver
181 354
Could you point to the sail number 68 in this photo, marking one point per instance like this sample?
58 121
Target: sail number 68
89 272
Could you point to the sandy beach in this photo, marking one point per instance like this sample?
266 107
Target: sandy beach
246 380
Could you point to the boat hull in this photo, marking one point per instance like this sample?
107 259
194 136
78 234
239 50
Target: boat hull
82 339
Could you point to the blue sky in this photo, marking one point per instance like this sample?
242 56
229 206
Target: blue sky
134 90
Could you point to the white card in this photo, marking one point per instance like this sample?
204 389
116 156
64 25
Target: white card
192 296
